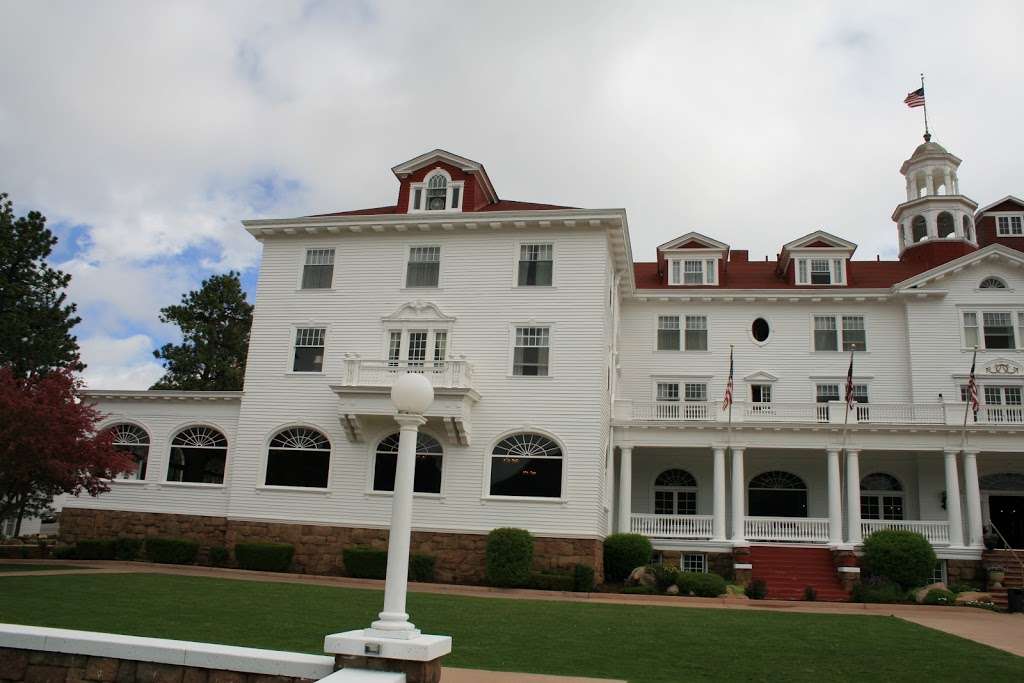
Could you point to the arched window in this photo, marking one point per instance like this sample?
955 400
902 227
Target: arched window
429 461
967 229
777 494
134 440
919 229
946 225
198 455
881 497
675 493
992 283
437 192
298 457
526 464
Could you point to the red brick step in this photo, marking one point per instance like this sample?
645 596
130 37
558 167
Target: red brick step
788 571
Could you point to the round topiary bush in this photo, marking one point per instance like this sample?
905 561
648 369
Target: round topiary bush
623 553
938 596
509 557
700 584
904 557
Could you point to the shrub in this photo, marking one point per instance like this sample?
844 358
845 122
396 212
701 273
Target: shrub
938 596
551 582
364 562
218 555
877 590
903 557
965 586
640 590
421 567
810 594
623 553
509 556
583 578
127 548
64 552
171 550
95 549
264 557
664 576
700 584
757 589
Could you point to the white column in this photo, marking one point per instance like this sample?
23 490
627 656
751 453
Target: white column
609 483
835 500
853 532
972 492
910 190
929 181
739 485
718 509
953 516
947 180
625 487
394 620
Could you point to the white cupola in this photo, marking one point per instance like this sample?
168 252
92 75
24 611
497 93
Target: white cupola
935 210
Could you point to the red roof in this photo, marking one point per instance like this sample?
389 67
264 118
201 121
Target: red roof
500 205
763 275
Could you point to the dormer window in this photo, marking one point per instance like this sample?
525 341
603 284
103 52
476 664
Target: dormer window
437 193
1010 226
692 271
820 271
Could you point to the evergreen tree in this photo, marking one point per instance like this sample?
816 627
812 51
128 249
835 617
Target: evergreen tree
214 322
35 318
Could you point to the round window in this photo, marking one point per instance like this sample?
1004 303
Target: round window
760 329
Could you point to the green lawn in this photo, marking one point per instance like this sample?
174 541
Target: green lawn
37 567
638 643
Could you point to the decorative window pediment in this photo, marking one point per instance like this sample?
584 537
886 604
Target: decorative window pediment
760 377
418 311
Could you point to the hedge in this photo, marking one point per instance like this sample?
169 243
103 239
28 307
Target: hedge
264 557
552 582
904 557
127 548
583 578
509 557
364 562
171 550
96 549
623 553
219 556
875 590
700 584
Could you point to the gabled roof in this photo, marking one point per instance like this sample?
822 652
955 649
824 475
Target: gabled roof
468 165
992 251
1007 198
819 238
699 242
500 205
761 376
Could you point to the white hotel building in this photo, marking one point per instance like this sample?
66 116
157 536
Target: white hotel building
579 391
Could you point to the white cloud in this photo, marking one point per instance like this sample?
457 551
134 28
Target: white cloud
120 363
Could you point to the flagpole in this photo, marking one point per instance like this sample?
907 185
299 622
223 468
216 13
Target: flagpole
728 429
927 135
846 399
967 403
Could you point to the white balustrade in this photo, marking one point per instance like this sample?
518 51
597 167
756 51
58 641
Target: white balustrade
937 533
671 526
453 374
794 529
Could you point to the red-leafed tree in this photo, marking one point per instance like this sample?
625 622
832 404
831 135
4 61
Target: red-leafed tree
49 444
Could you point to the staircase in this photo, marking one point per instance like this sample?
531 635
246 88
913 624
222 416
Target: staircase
787 571
1014 572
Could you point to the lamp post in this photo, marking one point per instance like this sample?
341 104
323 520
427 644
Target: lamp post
393 643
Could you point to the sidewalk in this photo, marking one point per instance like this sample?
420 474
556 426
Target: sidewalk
1002 631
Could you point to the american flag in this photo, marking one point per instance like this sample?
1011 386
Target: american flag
972 388
727 399
849 384
915 99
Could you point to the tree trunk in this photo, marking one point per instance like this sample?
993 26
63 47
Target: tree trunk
21 514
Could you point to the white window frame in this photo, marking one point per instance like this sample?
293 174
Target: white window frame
703 562
516 258
404 329
1008 217
837 319
1016 323
678 330
485 484
450 185
510 368
836 269
294 330
708 268
682 318
302 267
372 459
405 266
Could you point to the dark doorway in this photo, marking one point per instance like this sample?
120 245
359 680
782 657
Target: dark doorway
1007 513
777 494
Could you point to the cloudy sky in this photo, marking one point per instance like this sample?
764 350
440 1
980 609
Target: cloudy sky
146 131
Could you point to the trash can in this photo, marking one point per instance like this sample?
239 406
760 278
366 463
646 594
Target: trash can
1015 599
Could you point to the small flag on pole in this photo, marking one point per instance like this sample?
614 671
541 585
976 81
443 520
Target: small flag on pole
915 98
727 399
972 388
849 385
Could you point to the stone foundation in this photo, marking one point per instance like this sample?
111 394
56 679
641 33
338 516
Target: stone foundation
847 567
741 556
965 570
460 557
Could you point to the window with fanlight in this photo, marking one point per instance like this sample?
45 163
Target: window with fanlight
675 493
298 457
881 497
428 468
133 440
527 465
198 456
437 192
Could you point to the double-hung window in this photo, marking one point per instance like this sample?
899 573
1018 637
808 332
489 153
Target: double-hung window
692 271
993 329
309 349
1010 226
825 393
820 271
827 333
531 352
424 267
826 337
318 271
694 334
536 263
761 393
668 333
854 336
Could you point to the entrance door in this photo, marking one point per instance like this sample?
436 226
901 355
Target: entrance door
1007 513
777 494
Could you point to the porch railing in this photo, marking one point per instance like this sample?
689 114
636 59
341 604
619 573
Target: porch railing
833 412
937 533
793 529
671 526
450 374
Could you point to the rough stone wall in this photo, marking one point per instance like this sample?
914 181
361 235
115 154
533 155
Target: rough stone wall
460 557
33 666
964 570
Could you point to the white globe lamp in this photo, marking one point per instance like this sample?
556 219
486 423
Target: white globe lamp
412 393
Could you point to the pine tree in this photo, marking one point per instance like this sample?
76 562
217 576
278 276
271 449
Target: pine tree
35 318
214 322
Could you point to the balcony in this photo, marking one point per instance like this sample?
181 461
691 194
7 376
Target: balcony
365 393
833 412
937 533
672 526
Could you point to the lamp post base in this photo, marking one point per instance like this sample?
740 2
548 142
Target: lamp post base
418 657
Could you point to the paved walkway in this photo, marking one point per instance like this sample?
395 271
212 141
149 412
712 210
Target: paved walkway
1002 631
